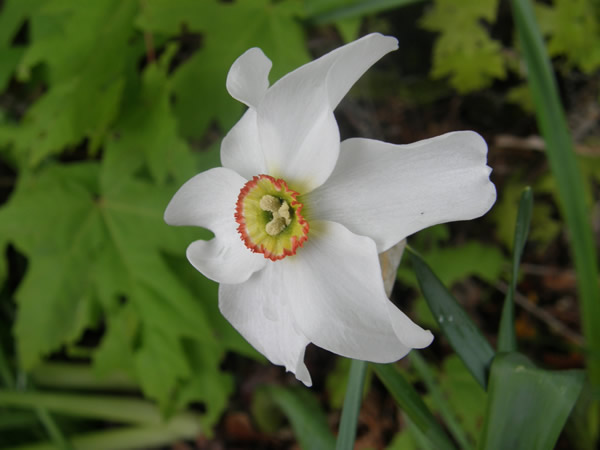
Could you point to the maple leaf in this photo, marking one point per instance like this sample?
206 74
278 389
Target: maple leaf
95 239
226 33
464 51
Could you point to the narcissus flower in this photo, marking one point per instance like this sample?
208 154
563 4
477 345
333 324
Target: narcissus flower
299 218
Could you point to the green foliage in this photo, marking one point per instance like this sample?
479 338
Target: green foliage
464 51
466 54
544 228
352 404
462 334
88 53
115 88
338 11
507 338
559 149
573 30
527 407
463 395
411 403
200 80
305 415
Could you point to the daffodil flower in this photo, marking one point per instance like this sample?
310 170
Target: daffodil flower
299 218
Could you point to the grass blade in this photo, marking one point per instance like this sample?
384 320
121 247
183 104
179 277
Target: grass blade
507 339
352 401
552 123
125 438
411 403
103 407
43 416
462 334
527 407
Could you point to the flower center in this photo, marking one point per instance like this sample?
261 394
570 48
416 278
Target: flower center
269 218
281 214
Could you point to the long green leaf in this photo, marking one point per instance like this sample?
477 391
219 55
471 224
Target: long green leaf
305 415
507 339
352 401
527 407
126 438
552 123
357 9
411 403
462 334
389 260
43 416
439 400
104 407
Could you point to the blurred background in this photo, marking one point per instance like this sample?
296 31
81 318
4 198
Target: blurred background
108 106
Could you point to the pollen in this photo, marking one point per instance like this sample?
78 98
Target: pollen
269 218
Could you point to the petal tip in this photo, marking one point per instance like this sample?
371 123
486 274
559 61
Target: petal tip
248 77
423 340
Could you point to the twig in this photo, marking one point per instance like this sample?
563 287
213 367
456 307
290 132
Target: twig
553 323
536 143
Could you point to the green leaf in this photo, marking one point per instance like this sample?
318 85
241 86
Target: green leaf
464 50
463 394
170 18
545 227
89 54
81 377
203 364
12 16
94 240
573 28
552 123
166 348
462 334
147 133
349 419
199 83
411 403
439 400
103 407
455 263
307 418
9 58
116 350
320 13
527 407
336 383
507 339
3 264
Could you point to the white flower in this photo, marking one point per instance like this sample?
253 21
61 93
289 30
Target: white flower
299 219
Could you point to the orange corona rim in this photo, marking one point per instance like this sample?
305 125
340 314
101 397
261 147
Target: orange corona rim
269 218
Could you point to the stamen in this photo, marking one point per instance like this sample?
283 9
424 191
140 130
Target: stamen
269 218
281 214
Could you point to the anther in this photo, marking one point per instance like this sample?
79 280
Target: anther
281 214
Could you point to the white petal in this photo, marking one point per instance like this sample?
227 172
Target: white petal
208 200
248 78
273 334
335 290
225 259
240 148
297 130
388 192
